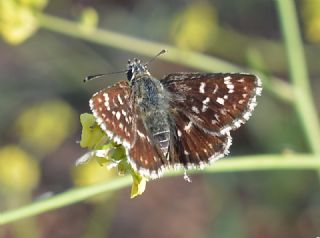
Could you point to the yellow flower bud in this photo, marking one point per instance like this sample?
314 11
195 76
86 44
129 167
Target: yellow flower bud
45 126
18 170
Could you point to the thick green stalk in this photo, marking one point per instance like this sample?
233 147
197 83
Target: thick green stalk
298 73
247 163
72 196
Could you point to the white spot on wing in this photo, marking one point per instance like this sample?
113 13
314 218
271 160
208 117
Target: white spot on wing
204 108
213 122
120 100
220 101
223 111
183 88
259 91
216 87
195 109
246 115
188 127
141 134
106 101
202 86
206 100
230 86
118 115
205 104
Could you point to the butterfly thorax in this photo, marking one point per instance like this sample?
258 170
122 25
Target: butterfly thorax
152 102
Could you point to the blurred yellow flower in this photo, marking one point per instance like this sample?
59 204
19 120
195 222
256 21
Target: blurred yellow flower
91 173
43 127
18 170
311 18
89 19
17 19
195 27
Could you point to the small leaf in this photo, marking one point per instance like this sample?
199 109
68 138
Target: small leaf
91 135
138 185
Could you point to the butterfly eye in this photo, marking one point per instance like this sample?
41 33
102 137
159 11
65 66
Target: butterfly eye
129 74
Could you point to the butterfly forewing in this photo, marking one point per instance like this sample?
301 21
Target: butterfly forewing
111 108
216 102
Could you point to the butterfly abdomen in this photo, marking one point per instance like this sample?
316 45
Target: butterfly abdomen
153 105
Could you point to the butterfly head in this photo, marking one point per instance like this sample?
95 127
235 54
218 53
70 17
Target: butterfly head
136 69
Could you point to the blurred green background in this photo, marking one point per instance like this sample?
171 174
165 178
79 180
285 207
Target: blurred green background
43 61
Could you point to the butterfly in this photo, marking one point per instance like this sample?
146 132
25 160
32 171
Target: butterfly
182 120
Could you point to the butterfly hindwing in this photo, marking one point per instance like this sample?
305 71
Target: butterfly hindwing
145 156
192 147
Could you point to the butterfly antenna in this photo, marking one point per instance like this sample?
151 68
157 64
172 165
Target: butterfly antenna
156 56
96 76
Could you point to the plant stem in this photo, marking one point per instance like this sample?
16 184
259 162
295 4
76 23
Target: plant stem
143 47
298 73
236 164
72 196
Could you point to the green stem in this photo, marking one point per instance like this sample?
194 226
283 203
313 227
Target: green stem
189 58
298 73
247 163
72 196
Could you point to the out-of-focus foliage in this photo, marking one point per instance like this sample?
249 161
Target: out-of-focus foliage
106 153
18 19
90 173
311 15
195 26
36 4
19 171
89 19
44 126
